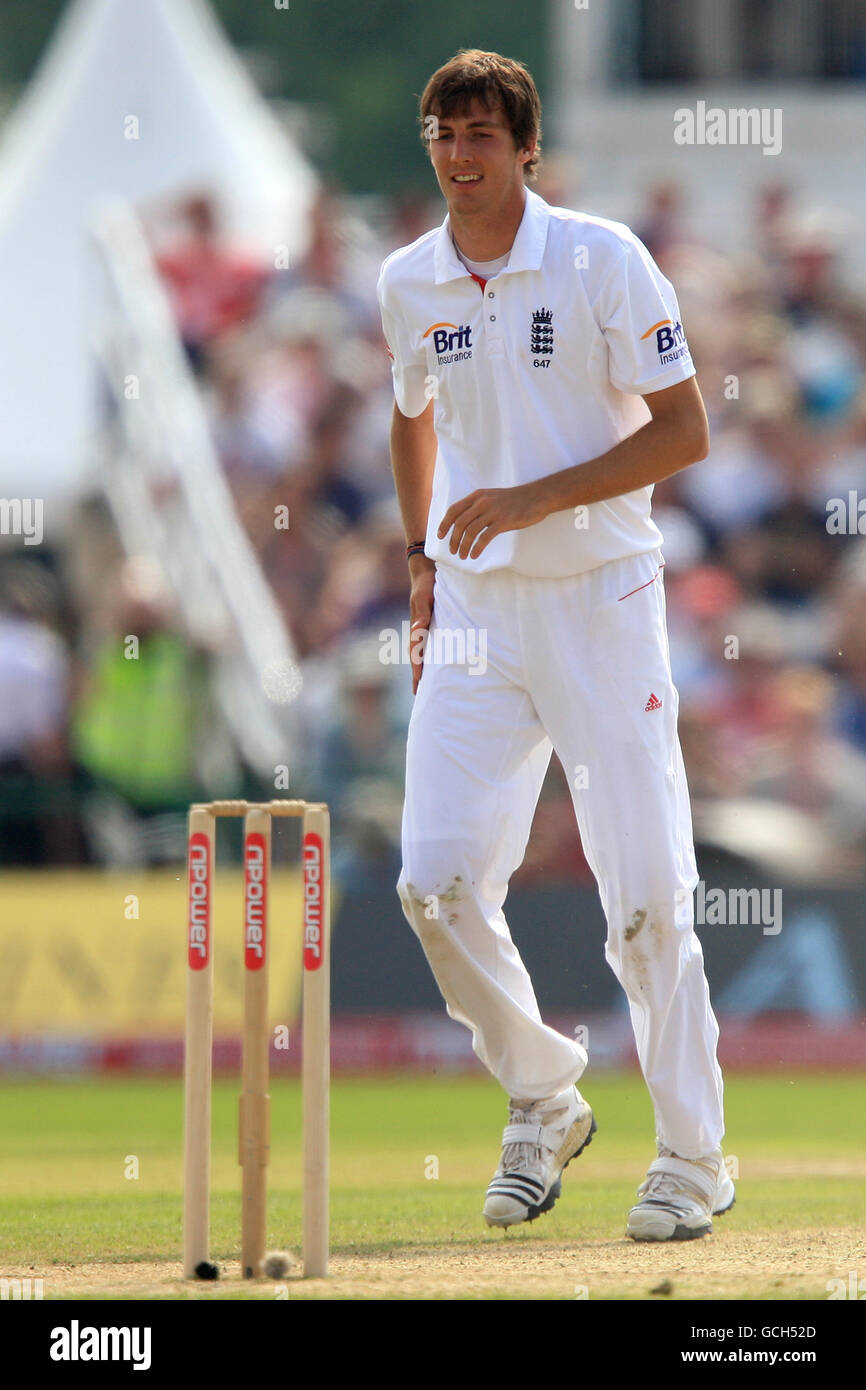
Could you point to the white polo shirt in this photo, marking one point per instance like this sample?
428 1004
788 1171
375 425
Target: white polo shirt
542 369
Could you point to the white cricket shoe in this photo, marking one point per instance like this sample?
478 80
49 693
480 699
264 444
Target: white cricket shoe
539 1141
680 1197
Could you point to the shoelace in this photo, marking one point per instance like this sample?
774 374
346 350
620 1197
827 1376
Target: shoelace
663 1185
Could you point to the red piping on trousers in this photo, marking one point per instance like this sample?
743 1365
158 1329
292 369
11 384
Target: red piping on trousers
644 586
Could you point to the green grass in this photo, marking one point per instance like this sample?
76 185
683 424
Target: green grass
799 1142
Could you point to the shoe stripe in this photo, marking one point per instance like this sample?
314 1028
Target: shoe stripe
516 1197
525 1178
664 1206
520 1193
505 1184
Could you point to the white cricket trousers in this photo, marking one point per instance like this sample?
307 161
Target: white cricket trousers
515 667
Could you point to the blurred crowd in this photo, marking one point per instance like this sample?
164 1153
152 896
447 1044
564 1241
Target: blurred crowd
765 564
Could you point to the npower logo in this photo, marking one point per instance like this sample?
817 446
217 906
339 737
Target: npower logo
255 899
198 933
313 905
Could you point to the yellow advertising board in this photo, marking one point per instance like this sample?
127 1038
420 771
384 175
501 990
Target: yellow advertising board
87 951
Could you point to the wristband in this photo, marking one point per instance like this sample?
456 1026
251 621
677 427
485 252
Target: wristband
416 548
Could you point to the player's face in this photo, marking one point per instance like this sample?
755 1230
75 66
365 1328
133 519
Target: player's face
478 144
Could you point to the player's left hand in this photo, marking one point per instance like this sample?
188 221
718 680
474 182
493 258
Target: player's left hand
485 513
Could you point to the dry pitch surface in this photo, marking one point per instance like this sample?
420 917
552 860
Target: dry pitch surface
730 1265
70 1216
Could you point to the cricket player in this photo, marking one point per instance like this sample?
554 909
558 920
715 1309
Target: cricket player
543 384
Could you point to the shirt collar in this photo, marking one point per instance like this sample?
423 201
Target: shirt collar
526 251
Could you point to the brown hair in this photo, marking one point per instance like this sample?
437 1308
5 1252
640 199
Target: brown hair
496 81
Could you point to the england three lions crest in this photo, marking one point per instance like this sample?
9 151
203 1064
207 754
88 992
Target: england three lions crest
541 336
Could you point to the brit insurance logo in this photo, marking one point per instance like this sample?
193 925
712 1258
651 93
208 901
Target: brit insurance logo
541 336
452 342
670 341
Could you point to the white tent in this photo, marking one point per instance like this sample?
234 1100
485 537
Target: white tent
142 100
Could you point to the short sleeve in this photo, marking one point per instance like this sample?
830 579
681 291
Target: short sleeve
408 367
638 314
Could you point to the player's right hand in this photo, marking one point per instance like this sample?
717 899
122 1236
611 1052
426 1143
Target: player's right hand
423 575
